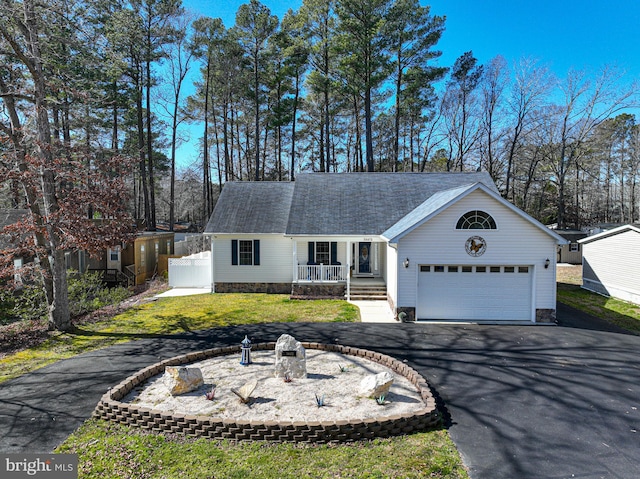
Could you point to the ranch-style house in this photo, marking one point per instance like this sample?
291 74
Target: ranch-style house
444 246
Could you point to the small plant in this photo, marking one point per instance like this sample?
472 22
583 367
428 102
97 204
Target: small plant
287 378
343 369
320 400
380 400
211 394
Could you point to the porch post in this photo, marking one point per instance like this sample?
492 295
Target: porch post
295 260
213 268
348 270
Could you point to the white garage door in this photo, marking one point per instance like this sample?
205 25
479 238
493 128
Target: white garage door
454 292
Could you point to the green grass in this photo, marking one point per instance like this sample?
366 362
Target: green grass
621 313
174 315
108 450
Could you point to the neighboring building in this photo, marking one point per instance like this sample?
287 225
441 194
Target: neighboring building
445 246
611 263
129 264
133 263
9 217
191 243
571 252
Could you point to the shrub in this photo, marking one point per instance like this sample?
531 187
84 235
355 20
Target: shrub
87 293
26 303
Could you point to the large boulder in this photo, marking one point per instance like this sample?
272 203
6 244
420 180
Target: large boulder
291 359
180 380
376 385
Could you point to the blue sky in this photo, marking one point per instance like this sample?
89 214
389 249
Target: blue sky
584 34
562 34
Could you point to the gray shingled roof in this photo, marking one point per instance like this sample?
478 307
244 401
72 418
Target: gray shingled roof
331 203
252 207
427 208
365 203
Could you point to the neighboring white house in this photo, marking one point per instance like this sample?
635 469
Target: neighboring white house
446 245
611 263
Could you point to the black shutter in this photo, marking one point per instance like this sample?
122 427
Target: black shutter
256 252
234 252
312 253
334 252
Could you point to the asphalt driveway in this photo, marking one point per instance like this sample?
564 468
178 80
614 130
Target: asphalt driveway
521 401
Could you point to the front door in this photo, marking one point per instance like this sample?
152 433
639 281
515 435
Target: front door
364 258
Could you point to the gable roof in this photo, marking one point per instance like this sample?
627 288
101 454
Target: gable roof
365 203
252 207
444 199
344 204
612 232
423 212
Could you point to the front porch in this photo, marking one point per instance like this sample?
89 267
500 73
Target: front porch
351 268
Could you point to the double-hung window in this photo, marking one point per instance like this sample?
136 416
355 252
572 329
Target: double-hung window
323 252
245 252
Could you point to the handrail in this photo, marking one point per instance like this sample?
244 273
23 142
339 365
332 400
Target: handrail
322 273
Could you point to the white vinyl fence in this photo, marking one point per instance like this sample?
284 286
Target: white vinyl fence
190 271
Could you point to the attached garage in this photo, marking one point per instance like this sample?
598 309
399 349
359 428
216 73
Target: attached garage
469 255
476 293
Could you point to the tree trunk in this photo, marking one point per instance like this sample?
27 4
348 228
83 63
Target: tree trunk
141 151
56 279
293 130
368 128
152 189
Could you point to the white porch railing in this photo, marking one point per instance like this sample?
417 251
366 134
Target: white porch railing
322 273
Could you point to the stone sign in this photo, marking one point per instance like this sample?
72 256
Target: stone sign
291 359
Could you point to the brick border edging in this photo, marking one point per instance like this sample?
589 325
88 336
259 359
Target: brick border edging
110 408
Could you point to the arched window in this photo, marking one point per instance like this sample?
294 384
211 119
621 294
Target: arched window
476 220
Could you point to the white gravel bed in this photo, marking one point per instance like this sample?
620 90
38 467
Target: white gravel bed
275 400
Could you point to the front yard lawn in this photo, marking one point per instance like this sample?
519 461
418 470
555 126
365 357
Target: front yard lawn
168 316
111 450
621 313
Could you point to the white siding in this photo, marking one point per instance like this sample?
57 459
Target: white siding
515 242
614 263
276 260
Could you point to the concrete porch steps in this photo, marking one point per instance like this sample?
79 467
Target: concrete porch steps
368 292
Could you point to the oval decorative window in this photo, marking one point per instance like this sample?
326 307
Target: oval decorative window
476 220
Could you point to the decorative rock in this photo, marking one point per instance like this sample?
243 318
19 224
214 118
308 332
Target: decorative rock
291 359
181 380
376 385
244 391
